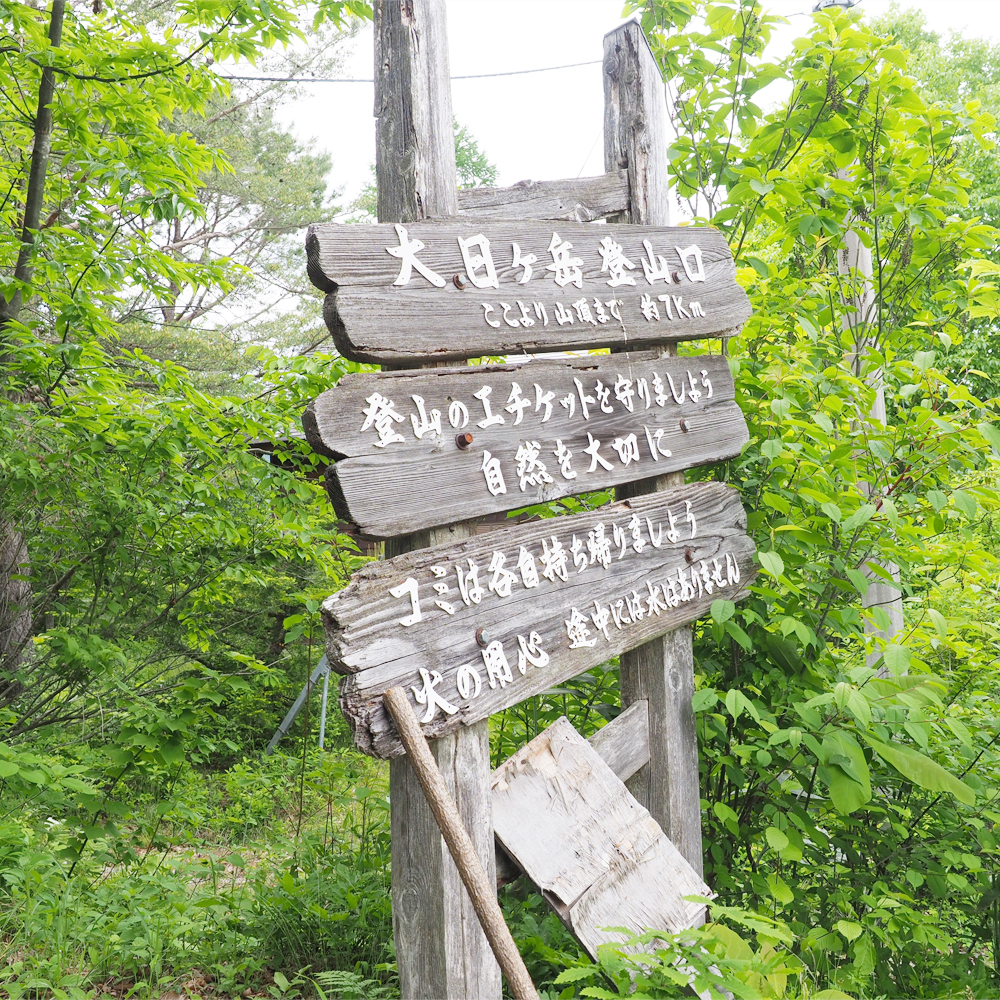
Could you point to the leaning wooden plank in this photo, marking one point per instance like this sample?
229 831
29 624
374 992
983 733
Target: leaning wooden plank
597 855
459 443
623 744
580 199
476 626
462 289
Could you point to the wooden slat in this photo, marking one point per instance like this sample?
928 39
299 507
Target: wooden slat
624 742
579 199
412 482
366 637
596 854
636 135
373 319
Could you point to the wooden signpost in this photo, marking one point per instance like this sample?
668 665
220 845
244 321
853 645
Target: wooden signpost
463 625
474 627
427 447
464 289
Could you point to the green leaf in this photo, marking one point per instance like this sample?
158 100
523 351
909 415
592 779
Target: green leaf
937 499
8 768
771 563
776 838
849 929
860 581
924 359
575 975
992 435
723 610
896 658
965 502
940 622
922 771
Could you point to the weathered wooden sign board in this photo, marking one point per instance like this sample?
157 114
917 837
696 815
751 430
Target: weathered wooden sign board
426 448
597 856
464 288
475 627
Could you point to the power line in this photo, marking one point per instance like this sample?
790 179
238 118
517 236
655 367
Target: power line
470 76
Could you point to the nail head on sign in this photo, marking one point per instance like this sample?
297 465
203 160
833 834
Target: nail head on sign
689 555
463 440
482 637
684 425
460 280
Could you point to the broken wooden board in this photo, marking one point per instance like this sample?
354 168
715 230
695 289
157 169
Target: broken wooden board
466 288
598 857
476 626
425 448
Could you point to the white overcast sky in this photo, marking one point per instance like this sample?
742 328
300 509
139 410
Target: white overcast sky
541 126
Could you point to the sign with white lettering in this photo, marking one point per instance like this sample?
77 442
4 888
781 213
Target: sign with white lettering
430 447
471 628
464 289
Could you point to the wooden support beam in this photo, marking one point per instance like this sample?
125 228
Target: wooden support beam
441 951
661 672
577 199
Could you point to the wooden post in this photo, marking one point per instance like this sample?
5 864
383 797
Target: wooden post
480 887
636 137
441 950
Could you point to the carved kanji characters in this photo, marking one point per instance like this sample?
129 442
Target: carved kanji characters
654 600
690 257
624 392
554 561
466 678
563 315
427 695
543 398
654 266
599 546
474 261
408 588
493 474
656 449
613 260
531 471
530 651
491 418
649 309
525 261
527 568
380 414
621 540
595 456
600 617
635 529
577 631
407 253
566 269
604 396
468 584
579 556
627 448
426 424
497 667
502 581
584 399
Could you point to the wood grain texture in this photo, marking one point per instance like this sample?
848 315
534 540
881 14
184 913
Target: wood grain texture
415 170
372 319
367 641
623 744
597 855
412 482
661 672
480 887
636 125
579 199
415 145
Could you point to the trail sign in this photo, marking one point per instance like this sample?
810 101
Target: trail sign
427 448
475 627
468 288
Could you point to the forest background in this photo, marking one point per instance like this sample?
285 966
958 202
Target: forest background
162 561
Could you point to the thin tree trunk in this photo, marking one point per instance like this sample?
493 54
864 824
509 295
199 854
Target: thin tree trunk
15 587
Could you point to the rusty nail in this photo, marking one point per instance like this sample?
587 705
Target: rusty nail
689 555
463 440
677 277
684 425
460 280
482 637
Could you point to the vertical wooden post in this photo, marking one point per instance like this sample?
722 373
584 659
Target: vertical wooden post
441 950
636 136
